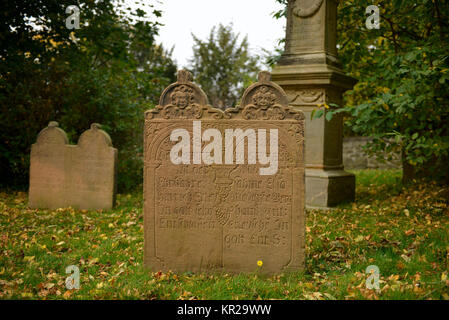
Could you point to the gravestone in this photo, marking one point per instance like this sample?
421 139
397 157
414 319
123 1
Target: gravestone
310 73
81 176
224 190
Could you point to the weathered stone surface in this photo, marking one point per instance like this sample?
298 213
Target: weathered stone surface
210 213
81 176
310 74
311 32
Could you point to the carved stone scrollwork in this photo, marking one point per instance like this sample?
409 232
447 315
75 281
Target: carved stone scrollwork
264 93
182 100
306 8
193 111
297 131
252 112
263 100
307 96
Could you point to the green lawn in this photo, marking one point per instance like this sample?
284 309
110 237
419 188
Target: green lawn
404 231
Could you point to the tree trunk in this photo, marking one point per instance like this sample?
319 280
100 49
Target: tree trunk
436 169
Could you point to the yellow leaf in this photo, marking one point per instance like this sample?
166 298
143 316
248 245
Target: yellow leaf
309 285
49 285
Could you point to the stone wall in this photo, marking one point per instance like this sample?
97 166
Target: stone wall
355 158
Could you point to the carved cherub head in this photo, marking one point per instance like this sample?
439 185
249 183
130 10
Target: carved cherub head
182 96
264 98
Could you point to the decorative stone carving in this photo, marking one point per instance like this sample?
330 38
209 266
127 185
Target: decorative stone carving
306 97
224 216
306 8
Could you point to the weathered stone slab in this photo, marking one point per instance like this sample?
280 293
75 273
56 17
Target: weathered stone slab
81 176
231 201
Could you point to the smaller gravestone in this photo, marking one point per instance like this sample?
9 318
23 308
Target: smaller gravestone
82 176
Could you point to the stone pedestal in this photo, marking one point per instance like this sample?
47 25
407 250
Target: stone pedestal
310 74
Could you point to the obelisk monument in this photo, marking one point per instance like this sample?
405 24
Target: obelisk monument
311 75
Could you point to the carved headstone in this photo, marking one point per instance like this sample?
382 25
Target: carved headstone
224 190
81 176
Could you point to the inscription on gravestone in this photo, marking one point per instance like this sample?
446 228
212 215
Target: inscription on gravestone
224 189
81 176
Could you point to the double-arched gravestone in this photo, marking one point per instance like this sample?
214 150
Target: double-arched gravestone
224 190
82 176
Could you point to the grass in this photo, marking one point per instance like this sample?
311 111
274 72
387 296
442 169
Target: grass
404 231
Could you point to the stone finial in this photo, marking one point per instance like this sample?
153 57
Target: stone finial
95 126
184 76
181 94
264 76
53 124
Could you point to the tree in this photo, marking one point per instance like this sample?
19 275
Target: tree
109 71
401 99
222 66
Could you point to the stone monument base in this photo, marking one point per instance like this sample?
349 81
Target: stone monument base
327 188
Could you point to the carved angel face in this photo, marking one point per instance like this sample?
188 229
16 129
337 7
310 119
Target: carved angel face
264 98
181 97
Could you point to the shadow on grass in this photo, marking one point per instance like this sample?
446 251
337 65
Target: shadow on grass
377 184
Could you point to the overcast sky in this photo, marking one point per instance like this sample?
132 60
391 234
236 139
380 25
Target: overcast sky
249 17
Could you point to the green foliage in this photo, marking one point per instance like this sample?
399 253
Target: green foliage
109 71
223 66
403 71
403 232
